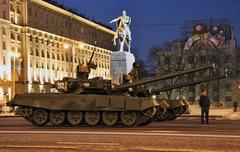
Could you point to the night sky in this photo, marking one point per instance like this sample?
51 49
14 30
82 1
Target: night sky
156 21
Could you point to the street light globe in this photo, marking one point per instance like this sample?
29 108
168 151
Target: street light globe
81 46
15 54
65 46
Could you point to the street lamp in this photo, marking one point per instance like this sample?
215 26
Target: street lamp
15 55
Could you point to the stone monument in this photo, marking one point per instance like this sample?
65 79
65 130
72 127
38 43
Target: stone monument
121 61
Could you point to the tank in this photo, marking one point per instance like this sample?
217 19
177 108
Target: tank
98 102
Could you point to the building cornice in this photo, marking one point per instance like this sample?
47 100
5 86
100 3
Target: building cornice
62 11
4 21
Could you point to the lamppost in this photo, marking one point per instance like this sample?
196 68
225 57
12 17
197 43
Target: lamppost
15 55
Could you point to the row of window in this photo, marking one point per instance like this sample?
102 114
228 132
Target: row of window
62 57
53 67
68 27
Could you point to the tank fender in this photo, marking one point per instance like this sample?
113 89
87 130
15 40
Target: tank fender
176 104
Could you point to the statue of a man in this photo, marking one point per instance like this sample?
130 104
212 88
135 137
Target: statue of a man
123 31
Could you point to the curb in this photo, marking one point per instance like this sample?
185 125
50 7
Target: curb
198 116
8 115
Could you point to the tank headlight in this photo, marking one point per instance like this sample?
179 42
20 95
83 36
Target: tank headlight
154 96
86 84
130 89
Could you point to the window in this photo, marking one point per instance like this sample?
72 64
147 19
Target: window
43 55
53 56
4 45
191 88
4 15
18 9
4 60
190 60
12 19
228 98
12 36
4 30
203 59
48 55
18 38
12 8
37 53
30 11
31 51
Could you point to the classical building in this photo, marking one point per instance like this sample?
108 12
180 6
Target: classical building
196 49
41 43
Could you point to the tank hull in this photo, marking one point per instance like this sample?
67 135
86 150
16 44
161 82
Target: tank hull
88 109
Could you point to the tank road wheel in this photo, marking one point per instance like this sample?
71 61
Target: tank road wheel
92 117
74 117
110 118
57 117
40 117
128 118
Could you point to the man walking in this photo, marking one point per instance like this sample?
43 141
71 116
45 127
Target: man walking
204 104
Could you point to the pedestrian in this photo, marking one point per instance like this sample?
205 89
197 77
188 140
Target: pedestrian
205 105
235 106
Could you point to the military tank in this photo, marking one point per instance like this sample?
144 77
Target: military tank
97 102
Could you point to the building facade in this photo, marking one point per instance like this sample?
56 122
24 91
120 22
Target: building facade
41 43
199 49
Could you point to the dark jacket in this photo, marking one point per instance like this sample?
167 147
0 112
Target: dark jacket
204 101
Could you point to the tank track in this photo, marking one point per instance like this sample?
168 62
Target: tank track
172 113
47 118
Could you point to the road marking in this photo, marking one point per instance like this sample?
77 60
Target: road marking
167 150
85 143
121 133
35 146
159 131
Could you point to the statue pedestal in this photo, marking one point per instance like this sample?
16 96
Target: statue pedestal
121 63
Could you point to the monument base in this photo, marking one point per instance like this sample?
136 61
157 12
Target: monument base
121 63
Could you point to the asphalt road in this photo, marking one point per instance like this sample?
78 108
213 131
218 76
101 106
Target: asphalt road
16 134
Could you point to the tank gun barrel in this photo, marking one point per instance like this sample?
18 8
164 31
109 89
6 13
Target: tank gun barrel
162 77
188 84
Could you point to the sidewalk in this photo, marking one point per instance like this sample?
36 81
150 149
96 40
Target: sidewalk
214 112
